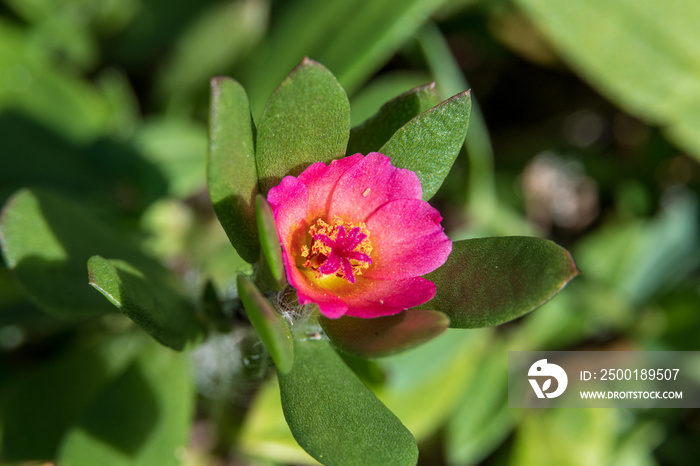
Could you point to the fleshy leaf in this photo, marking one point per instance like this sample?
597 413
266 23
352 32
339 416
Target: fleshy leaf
47 240
270 244
231 172
489 281
146 300
141 419
378 129
270 325
334 416
384 336
430 142
306 120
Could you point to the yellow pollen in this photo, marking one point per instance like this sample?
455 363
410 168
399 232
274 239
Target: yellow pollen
366 193
319 251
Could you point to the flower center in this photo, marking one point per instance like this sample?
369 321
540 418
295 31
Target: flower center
341 249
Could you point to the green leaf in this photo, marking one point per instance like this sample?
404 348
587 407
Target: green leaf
646 65
383 336
46 242
143 418
377 130
430 142
146 300
334 416
306 120
270 244
268 323
231 171
43 402
489 281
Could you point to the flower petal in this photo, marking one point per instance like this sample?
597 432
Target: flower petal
320 179
289 202
407 240
369 184
376 298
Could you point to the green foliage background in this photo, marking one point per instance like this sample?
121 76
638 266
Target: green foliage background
584 130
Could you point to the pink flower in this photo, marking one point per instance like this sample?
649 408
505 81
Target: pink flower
356 236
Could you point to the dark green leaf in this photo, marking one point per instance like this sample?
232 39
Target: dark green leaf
377 130
43 403
489 281
231 172
383 336
46 242
146 300
270 244
141 419
270 325
306 120
334 416
430 142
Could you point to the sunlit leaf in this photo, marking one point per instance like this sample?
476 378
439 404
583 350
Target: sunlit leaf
383 336
231 172
334 416
430 142
146 300
489 281
306 120
268 323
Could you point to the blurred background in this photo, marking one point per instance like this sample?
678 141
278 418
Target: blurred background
585 130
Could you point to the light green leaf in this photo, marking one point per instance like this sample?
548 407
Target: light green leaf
146 300
646 60
268 323
46 242
270 244
334 416
430 142
231 172
306 120
490 281
383 336
141 419
377 130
